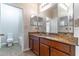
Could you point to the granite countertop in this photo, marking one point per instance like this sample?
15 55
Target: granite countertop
59 38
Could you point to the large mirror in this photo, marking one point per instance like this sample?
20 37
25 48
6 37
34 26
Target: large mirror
65 17
55 18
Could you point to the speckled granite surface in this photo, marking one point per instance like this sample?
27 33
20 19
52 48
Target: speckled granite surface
58 37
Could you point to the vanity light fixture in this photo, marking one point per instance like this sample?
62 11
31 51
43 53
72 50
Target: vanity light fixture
45 6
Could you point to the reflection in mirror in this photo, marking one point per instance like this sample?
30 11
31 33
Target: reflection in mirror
50 15
65 16
55 18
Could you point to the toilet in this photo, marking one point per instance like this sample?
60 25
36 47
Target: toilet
9 39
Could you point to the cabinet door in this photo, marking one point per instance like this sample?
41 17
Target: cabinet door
55 52
44 50
36 46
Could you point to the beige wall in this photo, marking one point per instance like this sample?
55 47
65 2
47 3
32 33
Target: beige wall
28 10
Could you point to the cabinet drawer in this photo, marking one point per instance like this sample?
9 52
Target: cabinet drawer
54 52
45 41
33 37
61 46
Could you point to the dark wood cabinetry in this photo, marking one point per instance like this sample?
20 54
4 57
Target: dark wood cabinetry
44 50
45 47
45 41
61 46
36 46
55 52
66 48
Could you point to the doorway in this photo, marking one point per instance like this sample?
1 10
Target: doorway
11 22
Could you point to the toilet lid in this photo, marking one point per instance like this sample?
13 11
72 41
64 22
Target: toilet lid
9 39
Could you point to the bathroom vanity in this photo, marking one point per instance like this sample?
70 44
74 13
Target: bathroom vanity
51 45
51 24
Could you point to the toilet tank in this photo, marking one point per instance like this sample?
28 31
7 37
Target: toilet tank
10 35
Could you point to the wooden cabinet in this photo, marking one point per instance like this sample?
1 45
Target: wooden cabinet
44 50
45 47
61 46
36 46
55 52
45 41
66 48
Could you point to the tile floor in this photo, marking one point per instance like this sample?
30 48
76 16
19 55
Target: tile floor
15 50
27 53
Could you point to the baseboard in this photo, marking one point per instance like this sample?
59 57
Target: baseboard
26 49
